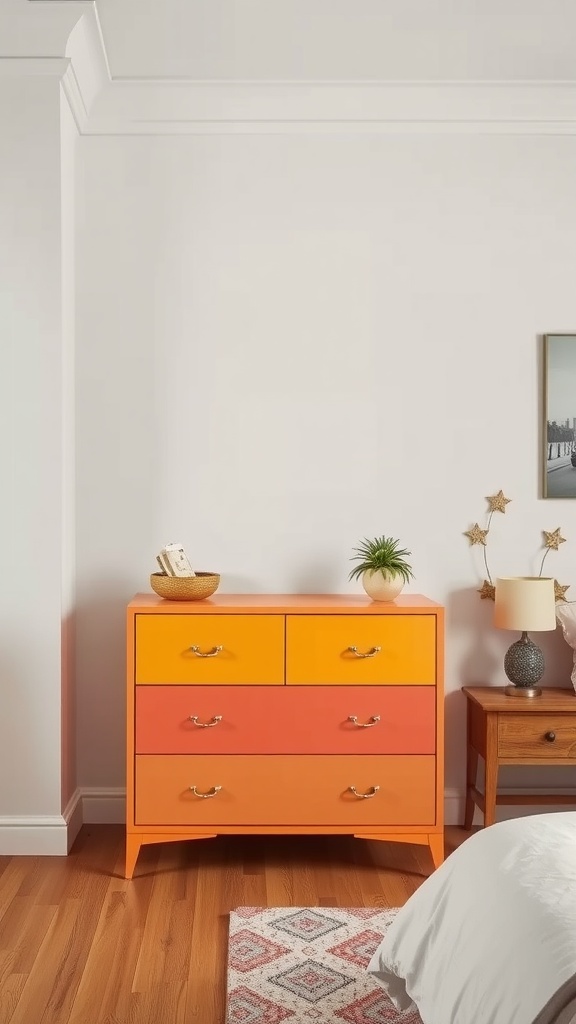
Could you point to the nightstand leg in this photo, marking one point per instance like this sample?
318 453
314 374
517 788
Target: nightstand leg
491 769
490 787
471 775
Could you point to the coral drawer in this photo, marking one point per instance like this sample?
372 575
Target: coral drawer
388 649
230 649
287 720
277 790
534 735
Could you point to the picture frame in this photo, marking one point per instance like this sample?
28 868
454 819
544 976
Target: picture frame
559 419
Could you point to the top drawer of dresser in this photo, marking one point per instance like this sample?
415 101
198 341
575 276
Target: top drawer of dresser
230 649
396 648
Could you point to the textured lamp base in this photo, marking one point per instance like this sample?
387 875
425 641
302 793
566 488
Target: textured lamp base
524 666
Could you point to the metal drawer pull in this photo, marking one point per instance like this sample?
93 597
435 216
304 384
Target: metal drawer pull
364 796
206 654
550 736
205 725
368 654
373 720
206 796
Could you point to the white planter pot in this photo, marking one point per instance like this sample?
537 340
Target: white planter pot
380 586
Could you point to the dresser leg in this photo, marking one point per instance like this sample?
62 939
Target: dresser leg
133 844
436 844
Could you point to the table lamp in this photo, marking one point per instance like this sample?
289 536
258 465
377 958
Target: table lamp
524 603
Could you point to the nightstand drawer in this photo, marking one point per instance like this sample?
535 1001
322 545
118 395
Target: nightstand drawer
389 649
537 735
232 649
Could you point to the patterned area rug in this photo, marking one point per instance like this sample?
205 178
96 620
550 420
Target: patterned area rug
307 966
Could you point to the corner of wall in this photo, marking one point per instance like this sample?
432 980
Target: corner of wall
88 73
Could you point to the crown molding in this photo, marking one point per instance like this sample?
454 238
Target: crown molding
103 105
75 54
88 73
162 107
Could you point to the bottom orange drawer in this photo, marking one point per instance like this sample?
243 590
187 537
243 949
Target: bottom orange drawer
285 790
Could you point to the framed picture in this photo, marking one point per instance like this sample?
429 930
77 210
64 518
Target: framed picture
559 433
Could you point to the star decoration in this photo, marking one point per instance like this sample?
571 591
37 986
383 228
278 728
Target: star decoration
553 540
488 591
497 502
476 535
559 591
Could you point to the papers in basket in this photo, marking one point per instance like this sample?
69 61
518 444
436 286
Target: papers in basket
174 561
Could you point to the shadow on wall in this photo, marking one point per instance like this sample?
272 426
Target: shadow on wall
471 660
469 618
101 681
318 576
68 737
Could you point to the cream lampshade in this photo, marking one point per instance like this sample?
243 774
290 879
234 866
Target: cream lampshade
524 603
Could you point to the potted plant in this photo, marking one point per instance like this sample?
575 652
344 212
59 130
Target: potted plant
382 569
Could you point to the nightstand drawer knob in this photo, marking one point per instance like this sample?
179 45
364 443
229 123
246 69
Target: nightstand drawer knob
367 654
206 654
550 736
205 725
373 720
364 796
206 796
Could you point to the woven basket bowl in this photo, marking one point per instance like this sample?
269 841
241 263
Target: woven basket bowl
185 588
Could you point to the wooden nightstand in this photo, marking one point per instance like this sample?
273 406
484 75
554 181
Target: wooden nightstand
516 730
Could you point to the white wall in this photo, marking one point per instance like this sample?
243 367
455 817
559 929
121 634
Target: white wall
287 342
34 594
68 147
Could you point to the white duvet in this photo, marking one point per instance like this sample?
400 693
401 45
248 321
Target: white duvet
490 937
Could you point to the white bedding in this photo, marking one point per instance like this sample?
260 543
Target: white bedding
490 937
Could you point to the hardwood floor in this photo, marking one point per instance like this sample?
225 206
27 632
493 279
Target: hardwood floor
81 945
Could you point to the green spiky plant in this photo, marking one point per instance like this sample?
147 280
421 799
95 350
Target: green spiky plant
381 554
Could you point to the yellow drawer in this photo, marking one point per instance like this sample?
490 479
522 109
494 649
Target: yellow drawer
397 649
244 649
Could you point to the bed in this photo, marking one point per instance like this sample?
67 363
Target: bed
490 937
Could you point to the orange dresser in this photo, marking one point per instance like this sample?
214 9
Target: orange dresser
284 714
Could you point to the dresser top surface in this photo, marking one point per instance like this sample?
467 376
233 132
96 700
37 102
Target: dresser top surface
493 698
349 604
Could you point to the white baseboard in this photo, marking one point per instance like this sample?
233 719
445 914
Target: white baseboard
103 805
42 835
73 818
453 807
454 801
53 835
